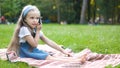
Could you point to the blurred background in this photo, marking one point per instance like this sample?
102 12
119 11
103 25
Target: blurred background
65 11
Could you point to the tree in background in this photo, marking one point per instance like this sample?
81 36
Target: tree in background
83 12
65 10
77 8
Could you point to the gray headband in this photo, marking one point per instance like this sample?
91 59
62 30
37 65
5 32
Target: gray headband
25 12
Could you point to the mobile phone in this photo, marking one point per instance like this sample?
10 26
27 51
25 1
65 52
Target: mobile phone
40 21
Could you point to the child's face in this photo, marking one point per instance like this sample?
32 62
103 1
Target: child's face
32 18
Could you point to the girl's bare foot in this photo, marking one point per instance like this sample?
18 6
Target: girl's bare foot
83 58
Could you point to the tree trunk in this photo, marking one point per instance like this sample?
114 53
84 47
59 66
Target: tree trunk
83 11
58 11
94 11
89 10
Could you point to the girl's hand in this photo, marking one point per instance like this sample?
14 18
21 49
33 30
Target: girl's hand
39 27
68 54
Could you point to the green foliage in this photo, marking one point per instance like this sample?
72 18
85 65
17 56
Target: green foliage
10 8
69 10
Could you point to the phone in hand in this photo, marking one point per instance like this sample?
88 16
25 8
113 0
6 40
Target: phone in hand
40 21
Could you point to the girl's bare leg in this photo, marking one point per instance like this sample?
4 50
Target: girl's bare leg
67 59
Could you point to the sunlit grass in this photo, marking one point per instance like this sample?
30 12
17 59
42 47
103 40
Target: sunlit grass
100 38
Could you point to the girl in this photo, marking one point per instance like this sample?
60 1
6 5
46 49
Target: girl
27 34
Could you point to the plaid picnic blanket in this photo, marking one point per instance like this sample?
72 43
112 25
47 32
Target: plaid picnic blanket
93 60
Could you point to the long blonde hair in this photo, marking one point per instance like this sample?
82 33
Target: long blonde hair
14 43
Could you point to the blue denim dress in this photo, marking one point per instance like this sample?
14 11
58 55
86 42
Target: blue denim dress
35 53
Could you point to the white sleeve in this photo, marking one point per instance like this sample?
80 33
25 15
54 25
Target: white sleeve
24 32
41 33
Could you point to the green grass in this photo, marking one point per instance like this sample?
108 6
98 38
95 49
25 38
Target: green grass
7 64
100 38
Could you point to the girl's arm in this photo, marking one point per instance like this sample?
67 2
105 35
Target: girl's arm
32 41
53 44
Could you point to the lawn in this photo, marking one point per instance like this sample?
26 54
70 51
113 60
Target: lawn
99 38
